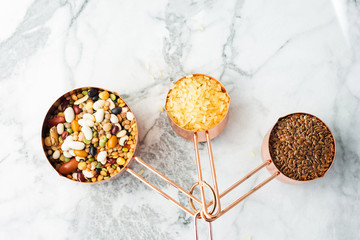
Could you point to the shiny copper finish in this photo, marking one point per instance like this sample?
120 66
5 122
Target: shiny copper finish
265 152
217 205
213 174
216 211
209 204
132 172
139 160
213 132
196 217
202 136
242 180
51 110
249 193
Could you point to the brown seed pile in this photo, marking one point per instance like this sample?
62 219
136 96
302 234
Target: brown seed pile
301 146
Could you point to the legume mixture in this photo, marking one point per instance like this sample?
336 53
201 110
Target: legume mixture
90 136
197 103
301 146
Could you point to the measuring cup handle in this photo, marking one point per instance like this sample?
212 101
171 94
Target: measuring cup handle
143 163
207 214
196 217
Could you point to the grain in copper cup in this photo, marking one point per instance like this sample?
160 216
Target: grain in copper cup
188 134
272 168
45 128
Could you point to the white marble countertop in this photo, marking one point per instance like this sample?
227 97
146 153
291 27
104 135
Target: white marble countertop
274 57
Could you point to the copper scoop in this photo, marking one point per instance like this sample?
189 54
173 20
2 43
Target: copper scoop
272 168
125 168
202 136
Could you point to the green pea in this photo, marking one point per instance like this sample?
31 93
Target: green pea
104 138
95 134
71 102
124 149
67 159
69 130
87 141
113 166
96 144
84 93
104 169
91 159
106 177
60 140
98 165
113 97
102 143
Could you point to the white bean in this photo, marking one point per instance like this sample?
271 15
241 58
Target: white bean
69 114
60 128
56 154
88 116
89 122
87 132
101 157
121 133
114 118
86 122
98 104
123 139
124 109
112 104
81 100
74 175
87 173
99 115
130 116
67 154
81 122
76 145
71 151
65 146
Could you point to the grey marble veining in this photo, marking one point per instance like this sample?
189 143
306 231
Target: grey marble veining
274 58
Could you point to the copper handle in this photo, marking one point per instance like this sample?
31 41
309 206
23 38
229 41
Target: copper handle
196 216
207 214
243 179
257 187
162 193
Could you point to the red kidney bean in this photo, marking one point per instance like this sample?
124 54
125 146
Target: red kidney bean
68 167
114 130
112 160
64 105
80 176
77 110
64 134
55 121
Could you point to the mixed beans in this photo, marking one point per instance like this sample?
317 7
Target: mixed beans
90 135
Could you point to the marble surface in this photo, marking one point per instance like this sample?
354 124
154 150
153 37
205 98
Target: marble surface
274 58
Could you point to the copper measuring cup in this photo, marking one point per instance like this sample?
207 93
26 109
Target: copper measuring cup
125 168
268 163
202 136
45 129
272 168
